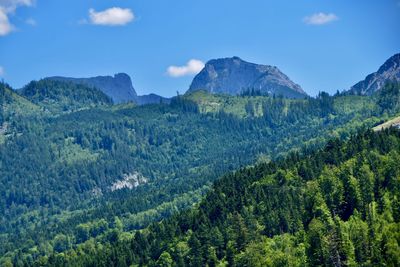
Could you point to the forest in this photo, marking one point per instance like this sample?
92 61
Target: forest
61 165
338 206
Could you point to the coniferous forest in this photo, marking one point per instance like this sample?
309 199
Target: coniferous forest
199 133
86 182
338 206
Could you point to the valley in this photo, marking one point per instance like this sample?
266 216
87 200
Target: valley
199 133
84 175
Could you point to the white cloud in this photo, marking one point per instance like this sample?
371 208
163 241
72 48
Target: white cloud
320 18
193 66
8 7
5 25
114 16
11 5
1 71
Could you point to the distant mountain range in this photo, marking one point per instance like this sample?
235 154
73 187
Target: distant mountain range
80 177
63 96
233 76
388 72
119 88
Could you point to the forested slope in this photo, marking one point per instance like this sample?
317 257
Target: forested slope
69 176
57 96
335 207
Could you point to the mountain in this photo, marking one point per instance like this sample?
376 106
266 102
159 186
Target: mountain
59 174
119 87
94 175
234 76
388 72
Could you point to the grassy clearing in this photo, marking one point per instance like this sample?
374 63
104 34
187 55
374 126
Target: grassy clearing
390 123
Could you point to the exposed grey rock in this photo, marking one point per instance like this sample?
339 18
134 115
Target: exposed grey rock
119 87
234 75
130 181
388 72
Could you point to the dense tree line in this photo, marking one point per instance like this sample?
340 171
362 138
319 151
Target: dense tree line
335 207
63 96
57 167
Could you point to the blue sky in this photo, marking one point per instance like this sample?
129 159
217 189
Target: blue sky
321 45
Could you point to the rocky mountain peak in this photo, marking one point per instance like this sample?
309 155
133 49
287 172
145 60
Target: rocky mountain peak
388 72
119 87
234 75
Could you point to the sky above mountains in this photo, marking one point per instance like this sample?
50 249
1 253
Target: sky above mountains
321 45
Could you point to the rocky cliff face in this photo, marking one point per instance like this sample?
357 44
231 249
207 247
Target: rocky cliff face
388 72
234 75
119 87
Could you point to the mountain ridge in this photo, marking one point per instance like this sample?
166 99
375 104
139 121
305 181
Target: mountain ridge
233 76
119 87
76 156
388 72
63 96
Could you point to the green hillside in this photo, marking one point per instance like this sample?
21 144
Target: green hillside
58 96
107 168
335 207
395 122
13 108
14 105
